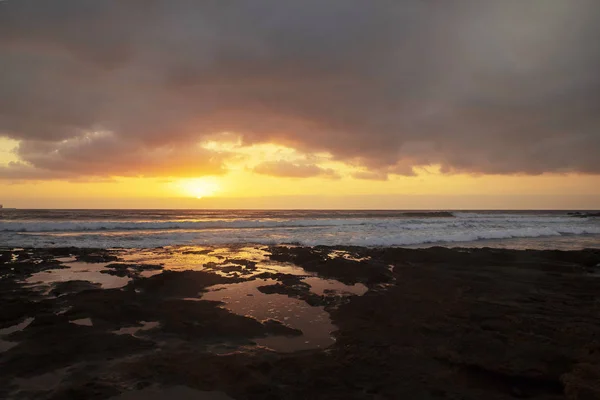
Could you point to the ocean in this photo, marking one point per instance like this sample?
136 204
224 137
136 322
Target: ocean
156 228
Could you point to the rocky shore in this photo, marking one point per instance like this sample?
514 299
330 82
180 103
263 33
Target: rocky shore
433 323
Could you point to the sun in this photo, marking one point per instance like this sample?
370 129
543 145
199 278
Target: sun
200 187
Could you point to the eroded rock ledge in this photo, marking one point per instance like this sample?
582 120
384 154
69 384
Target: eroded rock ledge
436 323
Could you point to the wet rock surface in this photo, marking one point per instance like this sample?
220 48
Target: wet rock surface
293 286
129 270
347 270
435 324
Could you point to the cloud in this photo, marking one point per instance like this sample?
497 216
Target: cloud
474 86
293 170
104 154
371 175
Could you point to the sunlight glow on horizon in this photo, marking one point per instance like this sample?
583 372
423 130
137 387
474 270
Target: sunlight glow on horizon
7 150
239 184
199 187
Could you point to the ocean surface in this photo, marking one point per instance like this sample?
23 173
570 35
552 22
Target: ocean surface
154 228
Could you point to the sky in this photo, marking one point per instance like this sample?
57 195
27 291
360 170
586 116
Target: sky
408 104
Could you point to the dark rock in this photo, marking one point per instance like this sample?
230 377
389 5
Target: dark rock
62 251
95 256
301 290
248 264
199 252
5 256
123 273
86 390
135 267
448 323
130 270
180 283
342 269
51 342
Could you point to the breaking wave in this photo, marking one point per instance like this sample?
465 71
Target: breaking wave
272 228
86 226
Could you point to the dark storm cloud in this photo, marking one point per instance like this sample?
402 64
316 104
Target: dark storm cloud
476 86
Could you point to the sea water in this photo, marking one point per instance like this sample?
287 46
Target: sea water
155 228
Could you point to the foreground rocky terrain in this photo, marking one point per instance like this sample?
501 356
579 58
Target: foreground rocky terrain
418 324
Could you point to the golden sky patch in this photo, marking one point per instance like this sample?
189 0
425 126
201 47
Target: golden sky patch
242 183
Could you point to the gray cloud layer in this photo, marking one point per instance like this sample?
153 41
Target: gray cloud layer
293 170
486 86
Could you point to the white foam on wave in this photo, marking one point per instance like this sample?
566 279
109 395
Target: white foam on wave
323 235
471 221
85 226
387 231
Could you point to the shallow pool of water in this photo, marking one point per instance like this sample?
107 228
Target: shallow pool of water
133 330
322 287
315 323
79 271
